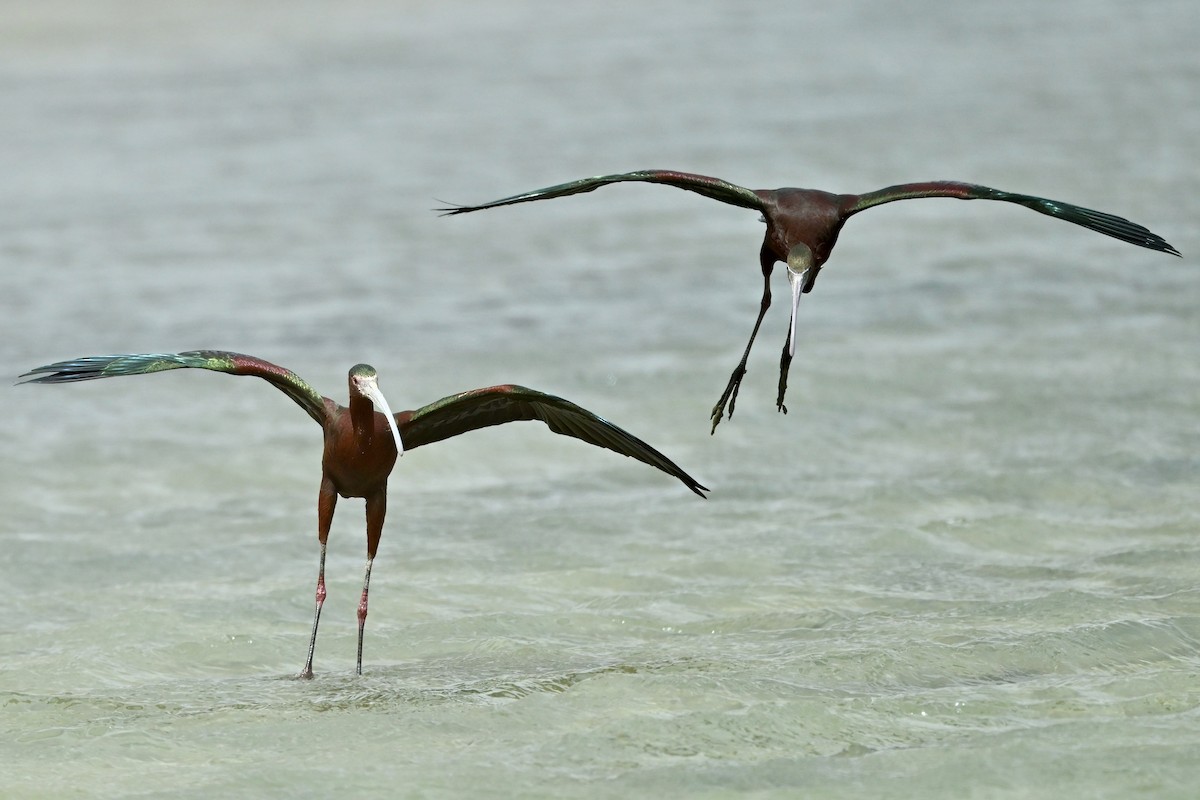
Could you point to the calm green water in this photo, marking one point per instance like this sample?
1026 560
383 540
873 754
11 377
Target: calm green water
964 565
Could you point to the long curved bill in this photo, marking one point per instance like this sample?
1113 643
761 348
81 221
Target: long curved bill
796 279
371 390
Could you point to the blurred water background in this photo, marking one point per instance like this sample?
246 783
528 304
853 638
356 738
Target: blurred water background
964 565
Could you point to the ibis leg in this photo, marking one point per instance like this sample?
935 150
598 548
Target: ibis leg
729 396
326 502
785 362
362 613
376 510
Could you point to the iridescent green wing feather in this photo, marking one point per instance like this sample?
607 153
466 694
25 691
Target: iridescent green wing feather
1108 224
715 188
496 405
93 367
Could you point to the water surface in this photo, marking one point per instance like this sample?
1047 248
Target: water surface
964 564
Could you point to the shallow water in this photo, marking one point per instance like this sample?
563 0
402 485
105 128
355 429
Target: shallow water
964 564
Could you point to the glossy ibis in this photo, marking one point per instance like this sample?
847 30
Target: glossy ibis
362 444
803 226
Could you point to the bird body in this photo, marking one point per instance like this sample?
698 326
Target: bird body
803 226
362 444
806 217
358 448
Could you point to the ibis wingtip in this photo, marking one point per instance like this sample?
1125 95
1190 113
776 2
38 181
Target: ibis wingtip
450 209
29 377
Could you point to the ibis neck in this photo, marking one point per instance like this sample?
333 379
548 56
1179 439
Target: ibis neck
362 415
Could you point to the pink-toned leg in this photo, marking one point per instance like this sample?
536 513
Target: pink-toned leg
376 510
362 612
312 642
326 502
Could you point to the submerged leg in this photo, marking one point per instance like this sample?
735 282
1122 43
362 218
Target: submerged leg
729 396
325 505
376 509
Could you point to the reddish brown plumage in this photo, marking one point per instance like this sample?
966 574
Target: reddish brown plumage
803 226
361 443
803 216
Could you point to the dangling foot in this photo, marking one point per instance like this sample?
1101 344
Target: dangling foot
729 396
785 361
